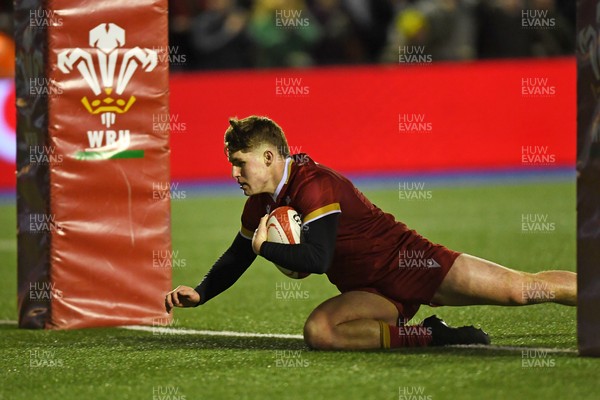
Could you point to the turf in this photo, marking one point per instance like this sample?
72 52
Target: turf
113 363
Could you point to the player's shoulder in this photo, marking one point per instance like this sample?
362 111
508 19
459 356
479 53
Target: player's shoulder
310 171
315 190
256 201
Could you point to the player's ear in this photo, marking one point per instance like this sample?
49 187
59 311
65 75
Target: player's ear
268 157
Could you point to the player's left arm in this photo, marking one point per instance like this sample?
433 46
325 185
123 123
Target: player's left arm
313 255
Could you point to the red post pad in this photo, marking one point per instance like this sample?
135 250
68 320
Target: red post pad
108 204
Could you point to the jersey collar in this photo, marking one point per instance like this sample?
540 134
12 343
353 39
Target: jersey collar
286 175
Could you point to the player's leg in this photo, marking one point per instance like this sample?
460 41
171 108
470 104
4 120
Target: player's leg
475 281
360 320
349 321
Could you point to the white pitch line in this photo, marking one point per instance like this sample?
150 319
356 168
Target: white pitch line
161 329
514 348
179 331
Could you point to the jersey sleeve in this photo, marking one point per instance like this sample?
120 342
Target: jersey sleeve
254 210
313 255
226 270
318 198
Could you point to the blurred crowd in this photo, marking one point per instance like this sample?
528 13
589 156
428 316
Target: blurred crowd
226 34
218 34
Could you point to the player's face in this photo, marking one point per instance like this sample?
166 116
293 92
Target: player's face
251 171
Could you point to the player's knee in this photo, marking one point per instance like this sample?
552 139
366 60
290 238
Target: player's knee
318 332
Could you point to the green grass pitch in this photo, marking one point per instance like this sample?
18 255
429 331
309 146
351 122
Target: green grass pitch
114 363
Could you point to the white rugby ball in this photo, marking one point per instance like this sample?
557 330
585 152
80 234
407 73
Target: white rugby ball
285 226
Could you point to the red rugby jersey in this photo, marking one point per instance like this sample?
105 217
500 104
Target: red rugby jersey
368 240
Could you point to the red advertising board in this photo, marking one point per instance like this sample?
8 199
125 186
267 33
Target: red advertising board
387 119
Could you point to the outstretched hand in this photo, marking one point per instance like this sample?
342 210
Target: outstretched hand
181 296
260 235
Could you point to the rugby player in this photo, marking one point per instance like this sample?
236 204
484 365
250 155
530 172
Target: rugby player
383 269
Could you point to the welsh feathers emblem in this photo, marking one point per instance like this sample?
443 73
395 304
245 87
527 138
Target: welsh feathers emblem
108 99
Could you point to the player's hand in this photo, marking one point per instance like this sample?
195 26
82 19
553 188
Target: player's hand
260 234
181 296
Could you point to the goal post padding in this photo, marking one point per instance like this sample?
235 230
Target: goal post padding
94 245
588 177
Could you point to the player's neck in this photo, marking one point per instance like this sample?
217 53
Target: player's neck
279 169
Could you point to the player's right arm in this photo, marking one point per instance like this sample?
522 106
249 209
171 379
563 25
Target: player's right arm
224 273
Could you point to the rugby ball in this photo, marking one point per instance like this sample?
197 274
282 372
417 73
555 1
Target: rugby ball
285 226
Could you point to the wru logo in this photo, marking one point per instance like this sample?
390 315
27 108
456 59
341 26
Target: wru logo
107 38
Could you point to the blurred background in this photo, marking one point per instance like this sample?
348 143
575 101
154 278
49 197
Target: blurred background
233 34
224 34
